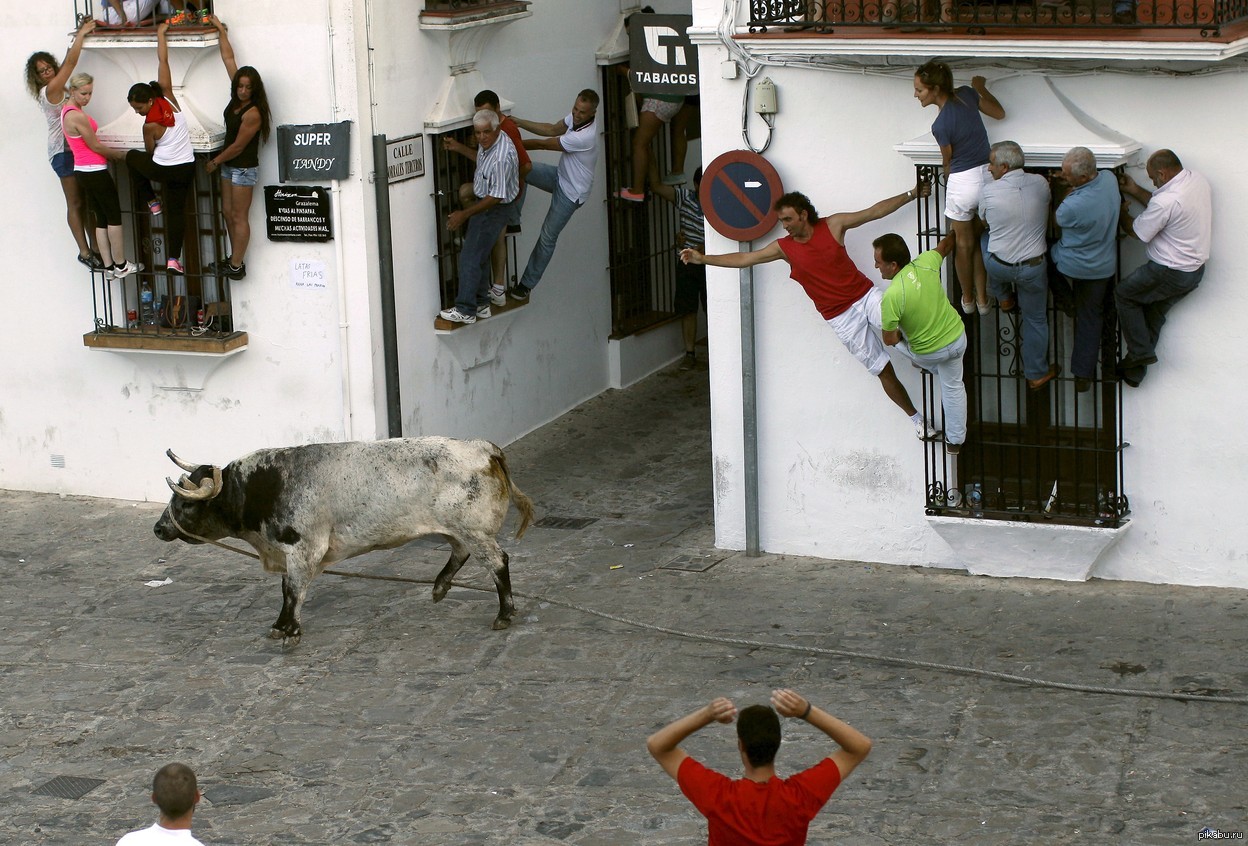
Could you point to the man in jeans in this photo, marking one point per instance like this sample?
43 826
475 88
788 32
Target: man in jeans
575 138
1177 225
495 184
1015 205
917 318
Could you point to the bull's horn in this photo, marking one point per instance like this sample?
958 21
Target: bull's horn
196 493
206 489
190 468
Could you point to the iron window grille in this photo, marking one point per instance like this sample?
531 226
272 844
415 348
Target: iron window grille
193 304
641 243
1051 455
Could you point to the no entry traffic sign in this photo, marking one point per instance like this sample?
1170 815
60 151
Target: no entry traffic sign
738 192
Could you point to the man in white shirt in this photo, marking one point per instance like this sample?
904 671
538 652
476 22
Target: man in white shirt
575 138
1015 205
1177 225
176 792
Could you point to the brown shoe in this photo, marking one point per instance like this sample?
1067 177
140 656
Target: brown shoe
1008 304
1037 384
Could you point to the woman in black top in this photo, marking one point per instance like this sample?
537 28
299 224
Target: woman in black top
247 123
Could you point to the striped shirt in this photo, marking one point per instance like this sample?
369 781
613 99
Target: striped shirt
692 221
498 170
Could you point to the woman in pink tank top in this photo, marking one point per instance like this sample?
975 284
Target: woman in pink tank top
91 170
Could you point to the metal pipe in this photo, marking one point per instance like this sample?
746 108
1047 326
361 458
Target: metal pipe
749 409
385 262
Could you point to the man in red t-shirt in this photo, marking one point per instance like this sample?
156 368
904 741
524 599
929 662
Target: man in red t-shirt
487 99
760 809
845 298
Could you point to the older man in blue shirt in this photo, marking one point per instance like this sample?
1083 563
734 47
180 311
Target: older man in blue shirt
1087 255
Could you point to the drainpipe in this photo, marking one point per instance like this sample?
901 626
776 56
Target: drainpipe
749 408
385 261
335 193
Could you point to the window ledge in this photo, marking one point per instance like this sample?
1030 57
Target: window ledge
477 15
1136 45
1006 548
475 344
136 341
111 38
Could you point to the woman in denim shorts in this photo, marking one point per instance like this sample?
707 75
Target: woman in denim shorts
247 123
46 81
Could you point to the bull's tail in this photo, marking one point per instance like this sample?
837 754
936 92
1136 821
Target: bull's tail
523 504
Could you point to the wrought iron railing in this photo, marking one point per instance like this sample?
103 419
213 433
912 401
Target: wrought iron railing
155 302
1049 455
466 5
1205 16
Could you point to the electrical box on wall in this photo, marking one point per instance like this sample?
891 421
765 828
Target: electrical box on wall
765 96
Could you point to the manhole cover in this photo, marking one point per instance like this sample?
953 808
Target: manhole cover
552 522
693 563
68 787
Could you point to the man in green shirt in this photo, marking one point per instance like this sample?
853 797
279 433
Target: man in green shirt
917 318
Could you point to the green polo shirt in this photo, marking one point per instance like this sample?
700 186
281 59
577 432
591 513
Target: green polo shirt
916 302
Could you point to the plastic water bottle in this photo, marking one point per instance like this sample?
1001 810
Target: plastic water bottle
975 499
147 313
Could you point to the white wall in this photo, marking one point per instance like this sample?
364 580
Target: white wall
841 473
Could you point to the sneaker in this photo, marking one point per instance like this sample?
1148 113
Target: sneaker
483 312
174 266
519 293
674 179
454 315
231 271
108 274
498 296
154 207
689 362
125 270
91 261
625 194
953 449
926 431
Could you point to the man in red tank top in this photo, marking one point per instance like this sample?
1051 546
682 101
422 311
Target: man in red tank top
847 300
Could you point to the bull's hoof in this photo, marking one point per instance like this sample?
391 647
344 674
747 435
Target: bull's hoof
439 594
276 634
501 624
291 641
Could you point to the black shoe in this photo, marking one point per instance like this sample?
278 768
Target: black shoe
1124 17
689 362
1130 362
1082 385
1133 376
92 260
233 272
519 293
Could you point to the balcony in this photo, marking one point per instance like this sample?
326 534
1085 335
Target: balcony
1129 30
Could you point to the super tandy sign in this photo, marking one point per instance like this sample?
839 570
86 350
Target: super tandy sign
661 58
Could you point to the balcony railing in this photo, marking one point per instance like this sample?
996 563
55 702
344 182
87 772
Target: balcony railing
1123 16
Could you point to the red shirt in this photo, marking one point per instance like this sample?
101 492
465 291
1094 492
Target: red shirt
513 132
161 112
825 270
740 812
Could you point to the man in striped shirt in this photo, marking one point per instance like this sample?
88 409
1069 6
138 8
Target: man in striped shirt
690 278
496 185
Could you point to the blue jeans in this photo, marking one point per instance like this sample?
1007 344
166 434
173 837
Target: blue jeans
474 257
546 177
1030 283
1093 300
1143 299
946 363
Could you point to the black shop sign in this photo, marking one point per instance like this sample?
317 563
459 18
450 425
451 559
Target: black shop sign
297 213
314 152
661 59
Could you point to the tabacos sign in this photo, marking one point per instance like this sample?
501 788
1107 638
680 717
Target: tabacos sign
314 152
661 58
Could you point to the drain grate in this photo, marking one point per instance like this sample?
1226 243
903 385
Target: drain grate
553 522
693 563
68 787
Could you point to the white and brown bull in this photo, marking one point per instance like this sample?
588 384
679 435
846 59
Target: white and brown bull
304 508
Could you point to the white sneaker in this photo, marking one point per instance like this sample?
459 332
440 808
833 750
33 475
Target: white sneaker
498 296
926 431
125 270
454 315
483 312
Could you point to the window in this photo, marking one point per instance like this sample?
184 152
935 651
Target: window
642 236
1049 455
451 171
154 304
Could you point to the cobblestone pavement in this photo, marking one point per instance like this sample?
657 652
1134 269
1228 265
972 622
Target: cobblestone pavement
397 721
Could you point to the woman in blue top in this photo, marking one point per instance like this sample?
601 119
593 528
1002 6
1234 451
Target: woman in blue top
959 130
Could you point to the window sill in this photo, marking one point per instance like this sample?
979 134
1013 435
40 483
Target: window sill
477 15
475 344
107 38
1006 548
136 341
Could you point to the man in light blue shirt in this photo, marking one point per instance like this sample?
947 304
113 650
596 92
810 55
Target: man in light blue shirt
1087 256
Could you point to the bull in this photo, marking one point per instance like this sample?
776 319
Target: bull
304 508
